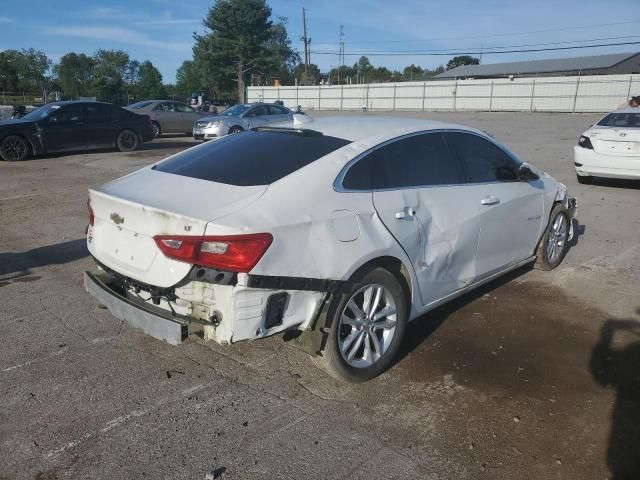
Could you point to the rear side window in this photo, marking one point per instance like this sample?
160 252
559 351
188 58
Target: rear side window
252 157
100 113
276 110
621 120
482 161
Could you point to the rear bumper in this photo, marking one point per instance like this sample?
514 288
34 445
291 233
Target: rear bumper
172 329
587 162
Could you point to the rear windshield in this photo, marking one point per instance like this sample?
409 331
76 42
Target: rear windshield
251 158
621 120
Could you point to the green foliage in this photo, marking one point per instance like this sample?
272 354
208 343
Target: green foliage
242 43
462 60
23 70
314 73
74 74
149 81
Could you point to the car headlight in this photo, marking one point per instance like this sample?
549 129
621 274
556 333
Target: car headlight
585 142
215 123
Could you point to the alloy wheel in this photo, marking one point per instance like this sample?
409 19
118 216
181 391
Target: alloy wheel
557 238
367 326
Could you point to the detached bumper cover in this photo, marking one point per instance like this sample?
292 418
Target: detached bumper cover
162 326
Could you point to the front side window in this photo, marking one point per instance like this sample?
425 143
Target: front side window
276 110
482 161
67 114
164 107
98 113
257 111
235 110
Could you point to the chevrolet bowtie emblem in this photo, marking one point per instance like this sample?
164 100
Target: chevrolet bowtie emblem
117 219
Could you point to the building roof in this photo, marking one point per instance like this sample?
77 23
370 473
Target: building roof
593 62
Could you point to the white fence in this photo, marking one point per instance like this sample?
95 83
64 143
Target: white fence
601 93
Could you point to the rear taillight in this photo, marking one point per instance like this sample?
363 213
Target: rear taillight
92 217
234 253
585 142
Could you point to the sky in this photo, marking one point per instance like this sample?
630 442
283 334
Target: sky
162 30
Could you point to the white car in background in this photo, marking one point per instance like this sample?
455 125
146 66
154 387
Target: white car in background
339 232
610 148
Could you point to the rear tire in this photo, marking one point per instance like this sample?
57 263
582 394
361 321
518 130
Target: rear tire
554 243
584 179
127 141
234 130
365 333
14 148
157 131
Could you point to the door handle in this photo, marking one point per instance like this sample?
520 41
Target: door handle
406 212
490 200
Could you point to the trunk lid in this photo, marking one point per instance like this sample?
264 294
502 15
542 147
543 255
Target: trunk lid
618 141
130 211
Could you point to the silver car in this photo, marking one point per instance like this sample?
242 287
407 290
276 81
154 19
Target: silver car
168 116
240 117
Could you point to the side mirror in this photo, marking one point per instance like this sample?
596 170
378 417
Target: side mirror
526 174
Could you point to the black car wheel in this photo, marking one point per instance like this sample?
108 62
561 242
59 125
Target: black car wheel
14 148
127 141
234 130
156 129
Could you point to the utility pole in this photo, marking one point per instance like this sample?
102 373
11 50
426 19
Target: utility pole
306 41
340 52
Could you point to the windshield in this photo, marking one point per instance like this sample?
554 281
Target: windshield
235 110
41 112
139 105
251 158
621 120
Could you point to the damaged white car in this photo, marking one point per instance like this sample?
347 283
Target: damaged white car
338 230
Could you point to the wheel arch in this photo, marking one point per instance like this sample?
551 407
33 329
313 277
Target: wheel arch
30 144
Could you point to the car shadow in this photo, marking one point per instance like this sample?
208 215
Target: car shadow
423 327
617 367
616 183
578 231
15 265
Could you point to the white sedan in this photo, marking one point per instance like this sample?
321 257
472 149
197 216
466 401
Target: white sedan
339 230
610 148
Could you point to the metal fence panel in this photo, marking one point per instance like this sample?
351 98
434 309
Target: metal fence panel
598 93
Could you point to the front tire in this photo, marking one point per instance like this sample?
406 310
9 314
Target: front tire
367 327
14 148
555 241
157 131
127 141
234 130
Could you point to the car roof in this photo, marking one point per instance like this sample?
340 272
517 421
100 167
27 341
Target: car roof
627 110
358 127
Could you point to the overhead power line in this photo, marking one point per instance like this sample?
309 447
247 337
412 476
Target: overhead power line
468 52
511 34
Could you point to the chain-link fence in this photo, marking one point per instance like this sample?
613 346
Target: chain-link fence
601 93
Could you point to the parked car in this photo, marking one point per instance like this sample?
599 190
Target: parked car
68 126
168 116
341 231
240 117
610 148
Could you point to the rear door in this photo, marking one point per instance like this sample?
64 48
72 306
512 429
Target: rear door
420 197
65 129
278 114
102 125
510 210
258 116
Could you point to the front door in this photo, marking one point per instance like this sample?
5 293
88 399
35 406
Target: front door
510 210
65 129
258 116
420 197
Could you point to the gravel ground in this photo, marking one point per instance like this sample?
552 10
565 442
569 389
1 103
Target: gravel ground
516 380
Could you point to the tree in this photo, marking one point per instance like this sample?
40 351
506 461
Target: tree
188 79
314 73
24 70
413 72
241 41
110 74
74 74
150 81
462 60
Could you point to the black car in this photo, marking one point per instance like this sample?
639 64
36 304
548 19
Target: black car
66 126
